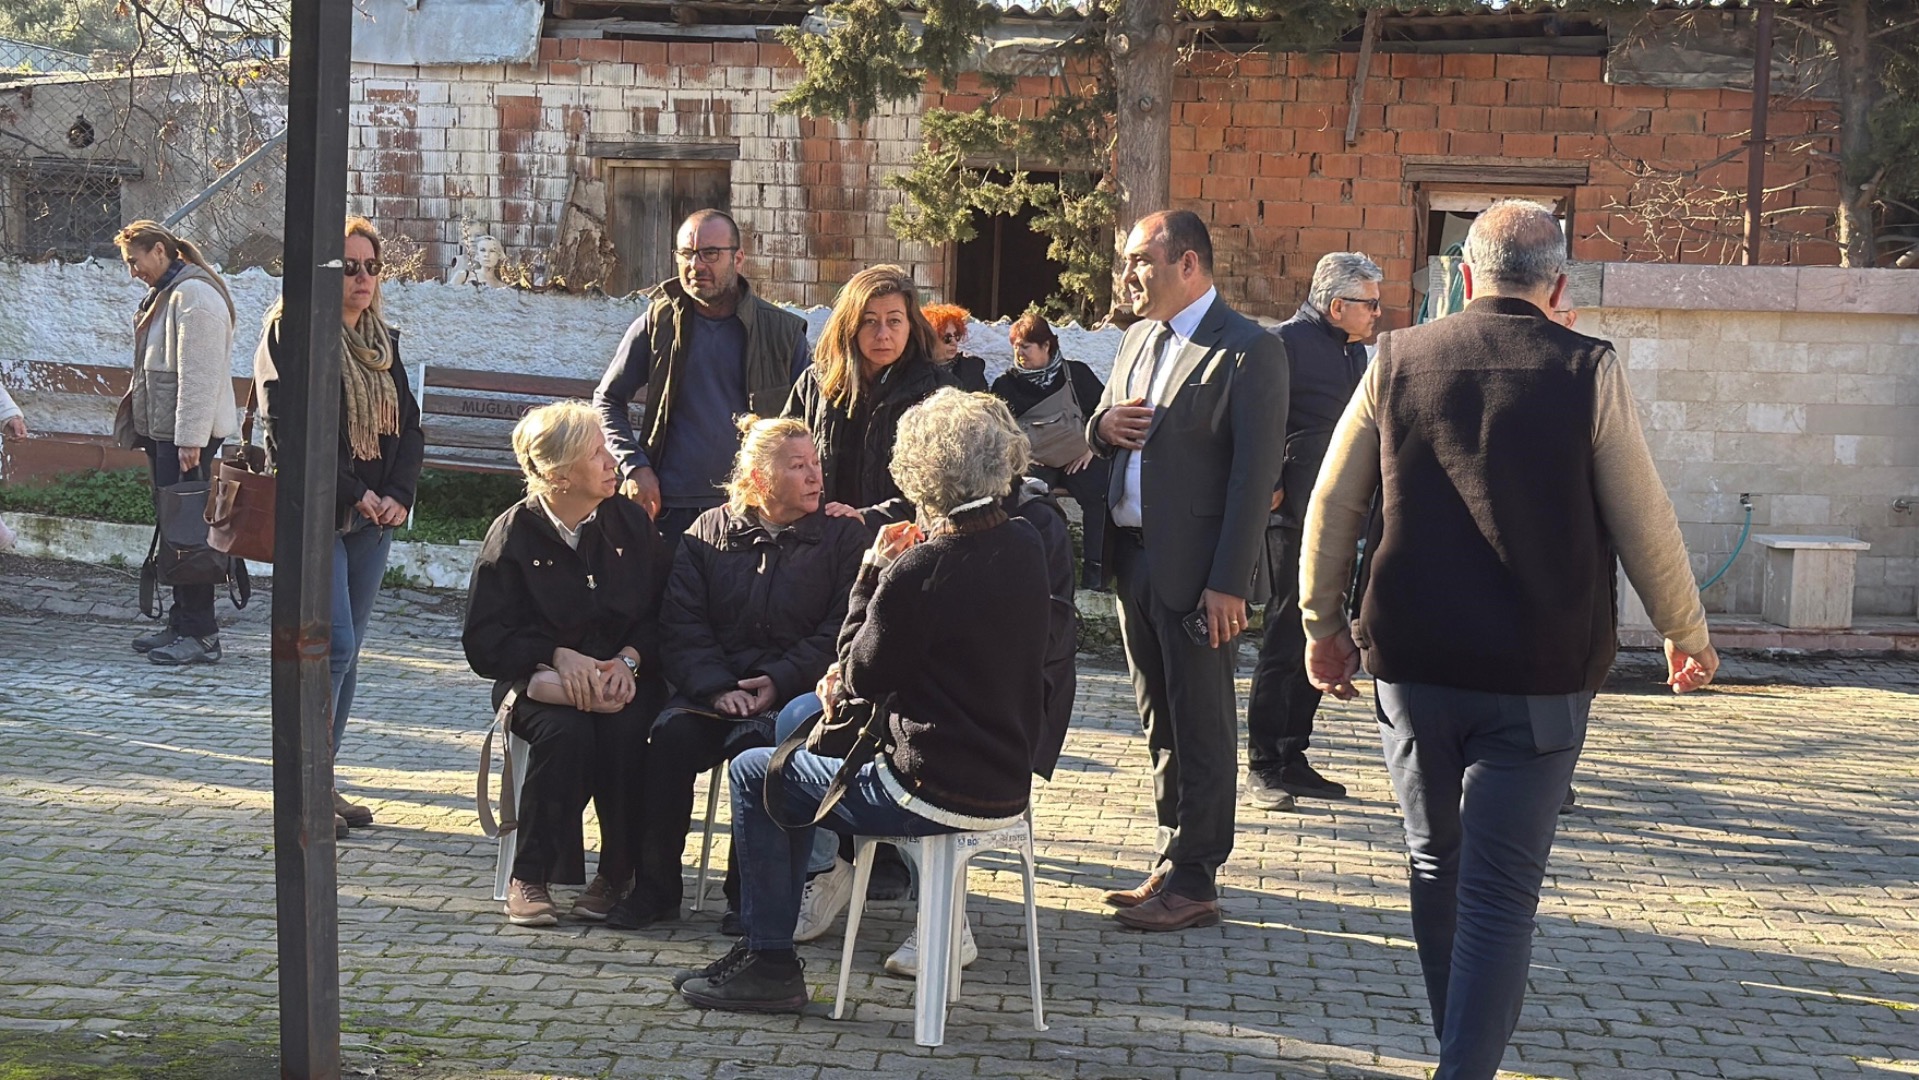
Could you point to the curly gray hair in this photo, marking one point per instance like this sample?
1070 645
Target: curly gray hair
955 448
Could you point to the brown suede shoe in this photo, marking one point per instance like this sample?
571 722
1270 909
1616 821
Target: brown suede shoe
1168 911
1132 898
598 899
356 815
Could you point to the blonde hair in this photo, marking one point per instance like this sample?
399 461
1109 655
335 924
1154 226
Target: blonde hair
144 234
954 448
552 439
760 443
837 356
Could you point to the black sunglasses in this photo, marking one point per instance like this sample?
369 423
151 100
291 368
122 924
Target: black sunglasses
1372 304
352 267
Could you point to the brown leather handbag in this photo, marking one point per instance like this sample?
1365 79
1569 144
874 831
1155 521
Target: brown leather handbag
240 504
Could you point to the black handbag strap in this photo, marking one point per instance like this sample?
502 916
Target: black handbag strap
865 748
239 582
150 579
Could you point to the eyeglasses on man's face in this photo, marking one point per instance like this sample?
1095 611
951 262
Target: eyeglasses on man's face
354 267
1370 305
708 255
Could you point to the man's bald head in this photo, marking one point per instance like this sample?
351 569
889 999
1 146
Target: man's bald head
1516 246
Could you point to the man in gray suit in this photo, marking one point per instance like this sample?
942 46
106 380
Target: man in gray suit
1192 418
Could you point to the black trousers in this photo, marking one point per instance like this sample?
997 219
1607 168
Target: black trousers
192 611
683 745
577 756
1280 710
1186 701
1087 487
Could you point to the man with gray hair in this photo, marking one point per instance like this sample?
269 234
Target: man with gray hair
1324 351
1510 469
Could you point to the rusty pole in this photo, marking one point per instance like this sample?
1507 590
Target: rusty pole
1756 152
306 434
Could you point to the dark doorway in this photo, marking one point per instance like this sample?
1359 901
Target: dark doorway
1004 269
646 201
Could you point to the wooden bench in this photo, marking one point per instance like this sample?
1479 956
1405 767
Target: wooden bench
49 451
468 415
1809 580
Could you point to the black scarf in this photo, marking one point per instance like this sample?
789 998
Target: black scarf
160 286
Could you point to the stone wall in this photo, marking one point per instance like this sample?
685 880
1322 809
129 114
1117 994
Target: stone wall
1796 386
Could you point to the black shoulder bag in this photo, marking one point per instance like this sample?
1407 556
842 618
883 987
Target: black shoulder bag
179 555
863 721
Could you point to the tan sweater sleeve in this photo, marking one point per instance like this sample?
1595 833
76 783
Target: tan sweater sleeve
1639 515
1336 516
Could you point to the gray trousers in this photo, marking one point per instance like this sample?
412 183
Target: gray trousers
1186 702
1480 778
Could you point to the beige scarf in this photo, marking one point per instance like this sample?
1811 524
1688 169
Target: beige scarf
371 401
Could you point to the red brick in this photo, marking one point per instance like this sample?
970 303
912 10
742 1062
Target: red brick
1532 92
1467 66
1323 240
1380 167
1642 97
1283 165
736 54
1336 165
1526 144
1642 147
1284 212
649 52
1570 69
1480 92
1573 120
1276 188
1390 218
777 56
549 49
1585 93
1579 146
1255 114
1694 99
1327 139
1377 192
1422 142
1619 121
1462 118
1234 163
1372 140
1205 114
600 50
394 96
686 53
1694 149
1474 143
1272 140
569 49
1324 190
1411 117
1677 121
1324 90
1416 65
1185 188
1427 91
1734 122
1509 66
1338 216
1191 163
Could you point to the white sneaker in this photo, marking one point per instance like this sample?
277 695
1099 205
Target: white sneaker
906 959
825 897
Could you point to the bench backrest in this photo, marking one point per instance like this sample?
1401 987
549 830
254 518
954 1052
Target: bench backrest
480 408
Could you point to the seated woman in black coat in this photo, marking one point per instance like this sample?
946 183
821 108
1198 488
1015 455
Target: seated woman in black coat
563 615
755 599
948 624
1051 397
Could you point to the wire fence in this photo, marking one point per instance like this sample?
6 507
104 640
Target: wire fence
82 154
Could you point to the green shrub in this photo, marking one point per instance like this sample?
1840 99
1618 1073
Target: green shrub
122 495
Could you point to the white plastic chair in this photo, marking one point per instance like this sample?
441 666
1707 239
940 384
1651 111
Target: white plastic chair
515 749
706 842
943 862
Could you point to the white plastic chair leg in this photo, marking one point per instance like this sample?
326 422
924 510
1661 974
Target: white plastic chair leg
706 840
1032 926
514 751
939 876
862 874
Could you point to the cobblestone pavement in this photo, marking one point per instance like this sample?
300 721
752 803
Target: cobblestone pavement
1734 897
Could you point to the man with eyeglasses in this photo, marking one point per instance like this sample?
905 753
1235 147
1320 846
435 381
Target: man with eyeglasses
706 350
1323 346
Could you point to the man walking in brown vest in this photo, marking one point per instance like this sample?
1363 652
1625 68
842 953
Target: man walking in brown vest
1510 469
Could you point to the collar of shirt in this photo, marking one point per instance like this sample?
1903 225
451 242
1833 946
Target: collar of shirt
571 537
1185 324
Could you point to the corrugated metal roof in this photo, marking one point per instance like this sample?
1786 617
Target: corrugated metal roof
25 55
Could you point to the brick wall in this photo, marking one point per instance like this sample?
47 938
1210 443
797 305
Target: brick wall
1258 149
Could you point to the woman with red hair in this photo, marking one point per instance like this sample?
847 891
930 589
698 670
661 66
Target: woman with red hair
949 333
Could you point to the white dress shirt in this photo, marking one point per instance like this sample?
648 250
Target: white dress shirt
1183 326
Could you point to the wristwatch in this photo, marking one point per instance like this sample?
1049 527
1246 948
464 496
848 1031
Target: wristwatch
632 665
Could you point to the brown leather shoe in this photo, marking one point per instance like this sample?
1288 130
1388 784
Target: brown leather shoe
1169 911
1134 897
356 815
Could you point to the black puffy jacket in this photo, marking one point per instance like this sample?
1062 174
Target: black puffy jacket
742 602
856 451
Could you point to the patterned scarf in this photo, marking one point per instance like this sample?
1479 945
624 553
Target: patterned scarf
368 397
1046 378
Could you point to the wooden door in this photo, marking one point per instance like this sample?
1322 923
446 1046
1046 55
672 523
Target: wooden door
646 201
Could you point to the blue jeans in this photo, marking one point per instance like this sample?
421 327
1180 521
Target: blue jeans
826 846
359 562
1480 778
773 860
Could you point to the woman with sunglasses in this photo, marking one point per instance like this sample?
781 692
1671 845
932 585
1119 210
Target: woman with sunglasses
949 334
380 451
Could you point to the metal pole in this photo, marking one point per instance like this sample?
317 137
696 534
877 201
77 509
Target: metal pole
239 169
1756 152
307 433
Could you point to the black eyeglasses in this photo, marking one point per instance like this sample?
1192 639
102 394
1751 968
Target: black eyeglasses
1373 305
352 267
708 255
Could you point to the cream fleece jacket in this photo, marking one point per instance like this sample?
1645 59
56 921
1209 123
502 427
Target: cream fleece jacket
183 378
